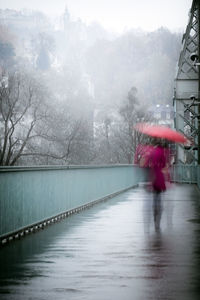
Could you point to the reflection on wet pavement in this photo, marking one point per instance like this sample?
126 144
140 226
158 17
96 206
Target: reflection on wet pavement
129 247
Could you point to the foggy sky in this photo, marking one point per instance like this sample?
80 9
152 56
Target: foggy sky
116 15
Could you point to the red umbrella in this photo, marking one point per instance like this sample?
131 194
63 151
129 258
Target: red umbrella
163 132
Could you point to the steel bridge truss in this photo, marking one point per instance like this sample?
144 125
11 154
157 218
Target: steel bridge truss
187 87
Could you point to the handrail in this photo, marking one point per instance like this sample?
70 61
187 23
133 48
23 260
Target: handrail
58 167
184 173
35 195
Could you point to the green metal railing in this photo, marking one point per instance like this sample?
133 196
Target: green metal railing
36 195
198 176
32 197
184 173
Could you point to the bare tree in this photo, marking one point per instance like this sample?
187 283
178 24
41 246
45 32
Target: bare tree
21 107
61 138
128 112
36 131
124 138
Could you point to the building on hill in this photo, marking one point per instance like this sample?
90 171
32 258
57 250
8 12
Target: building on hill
163 114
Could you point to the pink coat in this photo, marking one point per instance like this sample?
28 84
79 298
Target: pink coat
142 155
157 163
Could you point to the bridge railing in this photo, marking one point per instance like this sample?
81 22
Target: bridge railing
32 197
184 173
35 196
198 176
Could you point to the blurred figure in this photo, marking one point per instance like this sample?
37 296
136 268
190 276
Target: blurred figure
157 163
157 212
155 159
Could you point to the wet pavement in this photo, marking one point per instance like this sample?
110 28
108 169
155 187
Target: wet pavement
130 247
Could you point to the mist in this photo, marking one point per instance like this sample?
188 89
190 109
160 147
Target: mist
71 92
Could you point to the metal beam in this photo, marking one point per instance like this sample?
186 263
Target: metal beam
187 86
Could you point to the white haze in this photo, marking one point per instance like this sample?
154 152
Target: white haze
92 84
115 15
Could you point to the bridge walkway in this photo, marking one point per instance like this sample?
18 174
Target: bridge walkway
115 250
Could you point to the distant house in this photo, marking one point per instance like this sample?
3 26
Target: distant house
163 114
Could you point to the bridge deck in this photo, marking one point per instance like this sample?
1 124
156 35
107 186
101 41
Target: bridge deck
114 250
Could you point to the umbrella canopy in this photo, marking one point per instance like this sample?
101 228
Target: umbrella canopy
163 132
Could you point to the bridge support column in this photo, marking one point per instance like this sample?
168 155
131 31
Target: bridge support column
187 89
